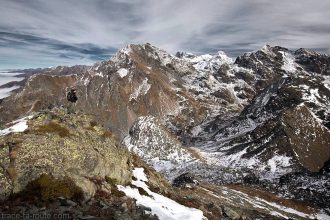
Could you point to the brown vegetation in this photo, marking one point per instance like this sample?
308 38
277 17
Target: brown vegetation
47 189
53 127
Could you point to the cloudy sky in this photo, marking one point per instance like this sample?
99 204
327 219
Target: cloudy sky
42 33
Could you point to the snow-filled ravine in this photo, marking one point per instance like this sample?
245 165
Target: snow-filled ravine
163 207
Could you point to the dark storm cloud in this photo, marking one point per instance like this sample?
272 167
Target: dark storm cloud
38 32
36 49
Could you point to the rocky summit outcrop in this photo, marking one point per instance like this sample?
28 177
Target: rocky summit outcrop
63 146
59 164
68 165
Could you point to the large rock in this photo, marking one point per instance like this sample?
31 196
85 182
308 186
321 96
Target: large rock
62 145
309 139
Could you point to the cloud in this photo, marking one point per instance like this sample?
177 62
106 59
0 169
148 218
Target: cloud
22 50
41 32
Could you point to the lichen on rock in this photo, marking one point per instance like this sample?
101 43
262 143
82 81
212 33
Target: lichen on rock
61 145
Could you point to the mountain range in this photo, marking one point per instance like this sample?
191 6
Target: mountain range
253 130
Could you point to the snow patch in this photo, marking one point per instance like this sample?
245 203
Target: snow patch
99 74
326 82
139 174
267 50
122 72
20 125
86 81
291 210
278 161
141 90
289 64
163 207
208 62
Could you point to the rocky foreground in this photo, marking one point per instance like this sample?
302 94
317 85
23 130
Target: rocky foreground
68 165
217 138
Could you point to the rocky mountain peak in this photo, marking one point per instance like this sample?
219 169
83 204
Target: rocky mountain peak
255 120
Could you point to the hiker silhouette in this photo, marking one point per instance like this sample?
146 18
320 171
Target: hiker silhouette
72 96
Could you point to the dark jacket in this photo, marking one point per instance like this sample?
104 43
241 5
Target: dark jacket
72 96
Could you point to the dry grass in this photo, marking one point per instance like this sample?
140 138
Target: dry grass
143 192
116 193
111 181
12 173
53 127
93 123
46 188
106 134
196 153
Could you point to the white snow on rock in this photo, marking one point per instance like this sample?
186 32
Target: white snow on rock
288 62
122 72
157 147
139 174
326 82
122 56
85 81
278 161
20 125
277 165
141 90
209 62
266 50
201 62
313 95
99 74
163 207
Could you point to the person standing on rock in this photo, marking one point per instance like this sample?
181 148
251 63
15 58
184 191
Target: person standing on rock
72 98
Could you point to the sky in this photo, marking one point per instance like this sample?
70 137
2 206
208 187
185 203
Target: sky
43 33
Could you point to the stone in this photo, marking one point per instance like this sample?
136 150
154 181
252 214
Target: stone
232 214
80 154
183 179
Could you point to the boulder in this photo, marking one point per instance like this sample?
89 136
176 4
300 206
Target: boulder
63 146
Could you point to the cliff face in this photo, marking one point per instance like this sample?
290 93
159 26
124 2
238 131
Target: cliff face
308 138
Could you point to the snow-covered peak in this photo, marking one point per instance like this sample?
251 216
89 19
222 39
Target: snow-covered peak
208 62
266 48
223 56
122 54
